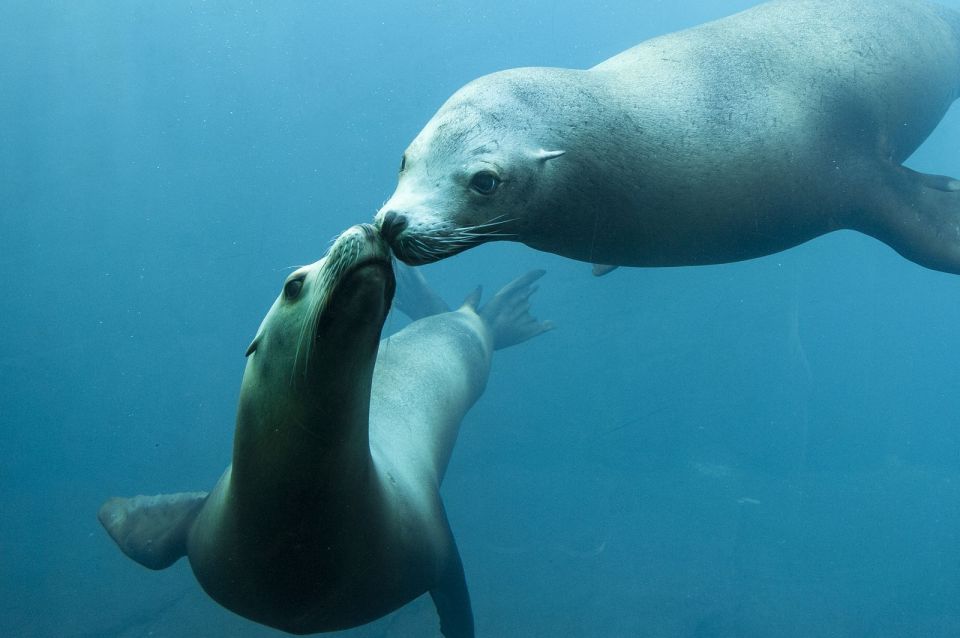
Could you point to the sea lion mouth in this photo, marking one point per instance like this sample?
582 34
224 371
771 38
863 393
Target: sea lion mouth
417 251
346 292
360 270
416 246
358 251
354 250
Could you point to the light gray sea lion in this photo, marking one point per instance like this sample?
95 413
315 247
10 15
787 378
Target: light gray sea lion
731 140
330 515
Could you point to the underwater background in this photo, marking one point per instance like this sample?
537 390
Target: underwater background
762 449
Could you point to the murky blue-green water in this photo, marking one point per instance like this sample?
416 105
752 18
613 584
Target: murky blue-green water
764 449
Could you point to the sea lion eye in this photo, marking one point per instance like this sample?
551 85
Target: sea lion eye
485 182
291 289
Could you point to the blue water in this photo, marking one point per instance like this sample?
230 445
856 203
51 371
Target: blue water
764 449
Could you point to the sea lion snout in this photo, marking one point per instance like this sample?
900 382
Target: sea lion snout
358 243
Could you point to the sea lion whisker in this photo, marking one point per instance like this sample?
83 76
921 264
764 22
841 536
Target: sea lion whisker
485 224
305 337
485 234
330 273
489 224
423 248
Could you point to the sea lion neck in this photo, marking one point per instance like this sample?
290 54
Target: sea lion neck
315 436
305 398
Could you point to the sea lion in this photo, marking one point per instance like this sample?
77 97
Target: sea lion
330 515
731 140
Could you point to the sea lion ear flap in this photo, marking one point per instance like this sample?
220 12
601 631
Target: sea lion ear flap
253 346
544 155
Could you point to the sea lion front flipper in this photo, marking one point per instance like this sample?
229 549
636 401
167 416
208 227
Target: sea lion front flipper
152 530
451 598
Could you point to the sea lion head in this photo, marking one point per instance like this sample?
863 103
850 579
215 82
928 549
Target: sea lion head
312 359
471 173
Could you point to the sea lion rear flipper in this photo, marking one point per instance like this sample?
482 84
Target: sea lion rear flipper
918 216
152 530
599 270
508 313
452 600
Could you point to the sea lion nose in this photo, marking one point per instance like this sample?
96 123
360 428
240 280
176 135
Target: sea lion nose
392 225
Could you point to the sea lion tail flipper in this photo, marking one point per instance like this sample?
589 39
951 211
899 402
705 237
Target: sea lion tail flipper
508 314
451 598
152 530
415 298
473 299
918 216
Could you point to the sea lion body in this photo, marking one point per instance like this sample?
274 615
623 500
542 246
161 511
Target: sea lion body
731 140
330 515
